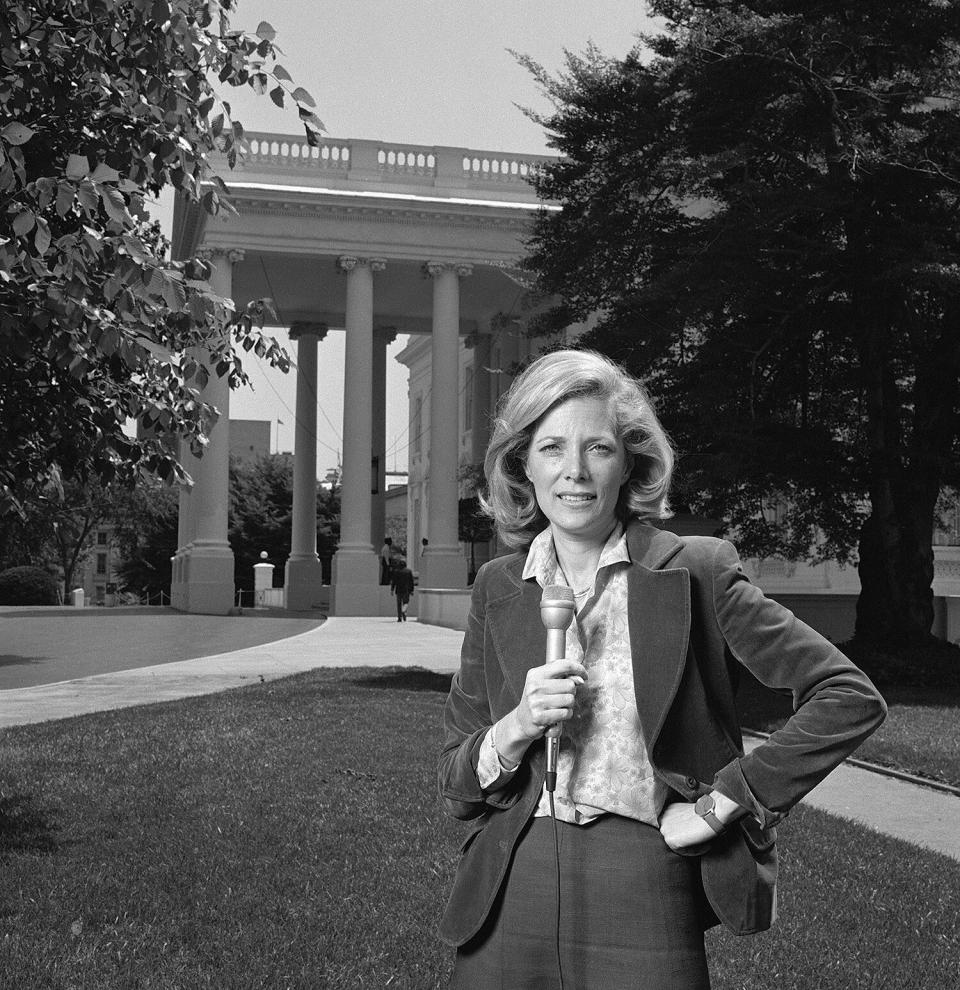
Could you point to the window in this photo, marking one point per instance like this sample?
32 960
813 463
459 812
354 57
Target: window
101 539
101 563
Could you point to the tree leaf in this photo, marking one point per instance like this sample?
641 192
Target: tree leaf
66 193
16 133
115 205
103 173
174 294
41 239
23 223
280 73
276 95
87 193
265 31
302 96
311 120
77 167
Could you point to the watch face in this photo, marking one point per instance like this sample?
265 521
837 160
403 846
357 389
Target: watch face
704 805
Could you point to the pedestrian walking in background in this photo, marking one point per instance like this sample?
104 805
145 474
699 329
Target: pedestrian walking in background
402 587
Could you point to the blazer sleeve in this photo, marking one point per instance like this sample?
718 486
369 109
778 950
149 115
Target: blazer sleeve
466 721
836 706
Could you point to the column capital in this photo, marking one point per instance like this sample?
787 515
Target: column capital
233 255
348 262
300 328
436 268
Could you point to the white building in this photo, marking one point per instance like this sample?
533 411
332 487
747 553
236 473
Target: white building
373 239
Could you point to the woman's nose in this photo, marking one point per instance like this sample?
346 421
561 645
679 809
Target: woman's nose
574 466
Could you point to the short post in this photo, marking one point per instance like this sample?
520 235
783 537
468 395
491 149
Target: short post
76 598
262 580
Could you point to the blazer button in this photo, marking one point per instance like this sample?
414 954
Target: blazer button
692 783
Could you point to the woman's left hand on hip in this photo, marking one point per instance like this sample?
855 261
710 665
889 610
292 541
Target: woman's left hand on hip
682 828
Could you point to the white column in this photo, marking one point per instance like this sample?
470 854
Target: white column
443 564
381 340
355 565
303 575
203 569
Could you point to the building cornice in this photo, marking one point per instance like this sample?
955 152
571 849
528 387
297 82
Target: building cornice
241 189
379 212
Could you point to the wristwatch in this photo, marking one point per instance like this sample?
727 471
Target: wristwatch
706 809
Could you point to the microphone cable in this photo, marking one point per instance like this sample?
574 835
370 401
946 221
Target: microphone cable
556 860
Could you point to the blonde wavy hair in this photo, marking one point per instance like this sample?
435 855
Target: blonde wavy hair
551 380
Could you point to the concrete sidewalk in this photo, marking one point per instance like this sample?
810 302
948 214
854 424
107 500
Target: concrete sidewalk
373 642
902 810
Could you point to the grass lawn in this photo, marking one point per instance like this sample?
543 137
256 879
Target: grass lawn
921 734
287 835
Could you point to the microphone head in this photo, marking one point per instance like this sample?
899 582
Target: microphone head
556 606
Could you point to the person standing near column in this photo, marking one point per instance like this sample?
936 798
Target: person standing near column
385 553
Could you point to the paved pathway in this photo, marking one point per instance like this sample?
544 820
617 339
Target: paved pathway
900 809
374 642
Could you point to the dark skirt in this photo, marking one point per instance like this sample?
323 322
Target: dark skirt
631 915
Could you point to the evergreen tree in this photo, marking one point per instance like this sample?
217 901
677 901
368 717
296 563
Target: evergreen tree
763 205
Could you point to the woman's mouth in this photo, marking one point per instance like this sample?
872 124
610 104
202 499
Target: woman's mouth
574 499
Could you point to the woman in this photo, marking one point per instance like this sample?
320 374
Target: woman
662 827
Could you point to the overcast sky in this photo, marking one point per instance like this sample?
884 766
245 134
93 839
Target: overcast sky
435 72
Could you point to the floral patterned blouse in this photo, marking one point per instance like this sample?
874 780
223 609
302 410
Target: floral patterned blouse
603 766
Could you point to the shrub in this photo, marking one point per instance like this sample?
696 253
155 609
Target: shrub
935 665
27 586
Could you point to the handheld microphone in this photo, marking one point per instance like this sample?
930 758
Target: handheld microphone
556 613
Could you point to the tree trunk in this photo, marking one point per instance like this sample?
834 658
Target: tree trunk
896 543
895 606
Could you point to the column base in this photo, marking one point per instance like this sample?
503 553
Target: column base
355 583
303 583
443 567
203 579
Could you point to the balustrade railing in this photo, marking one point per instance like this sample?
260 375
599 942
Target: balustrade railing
275 149
400 163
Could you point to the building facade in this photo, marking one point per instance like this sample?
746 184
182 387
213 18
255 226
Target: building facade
370 240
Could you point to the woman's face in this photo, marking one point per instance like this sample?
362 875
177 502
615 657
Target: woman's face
577 464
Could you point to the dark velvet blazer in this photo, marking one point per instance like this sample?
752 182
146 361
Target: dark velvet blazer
694 618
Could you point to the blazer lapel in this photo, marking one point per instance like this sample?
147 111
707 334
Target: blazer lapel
519 636
659 626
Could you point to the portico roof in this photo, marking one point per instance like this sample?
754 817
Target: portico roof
300 208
